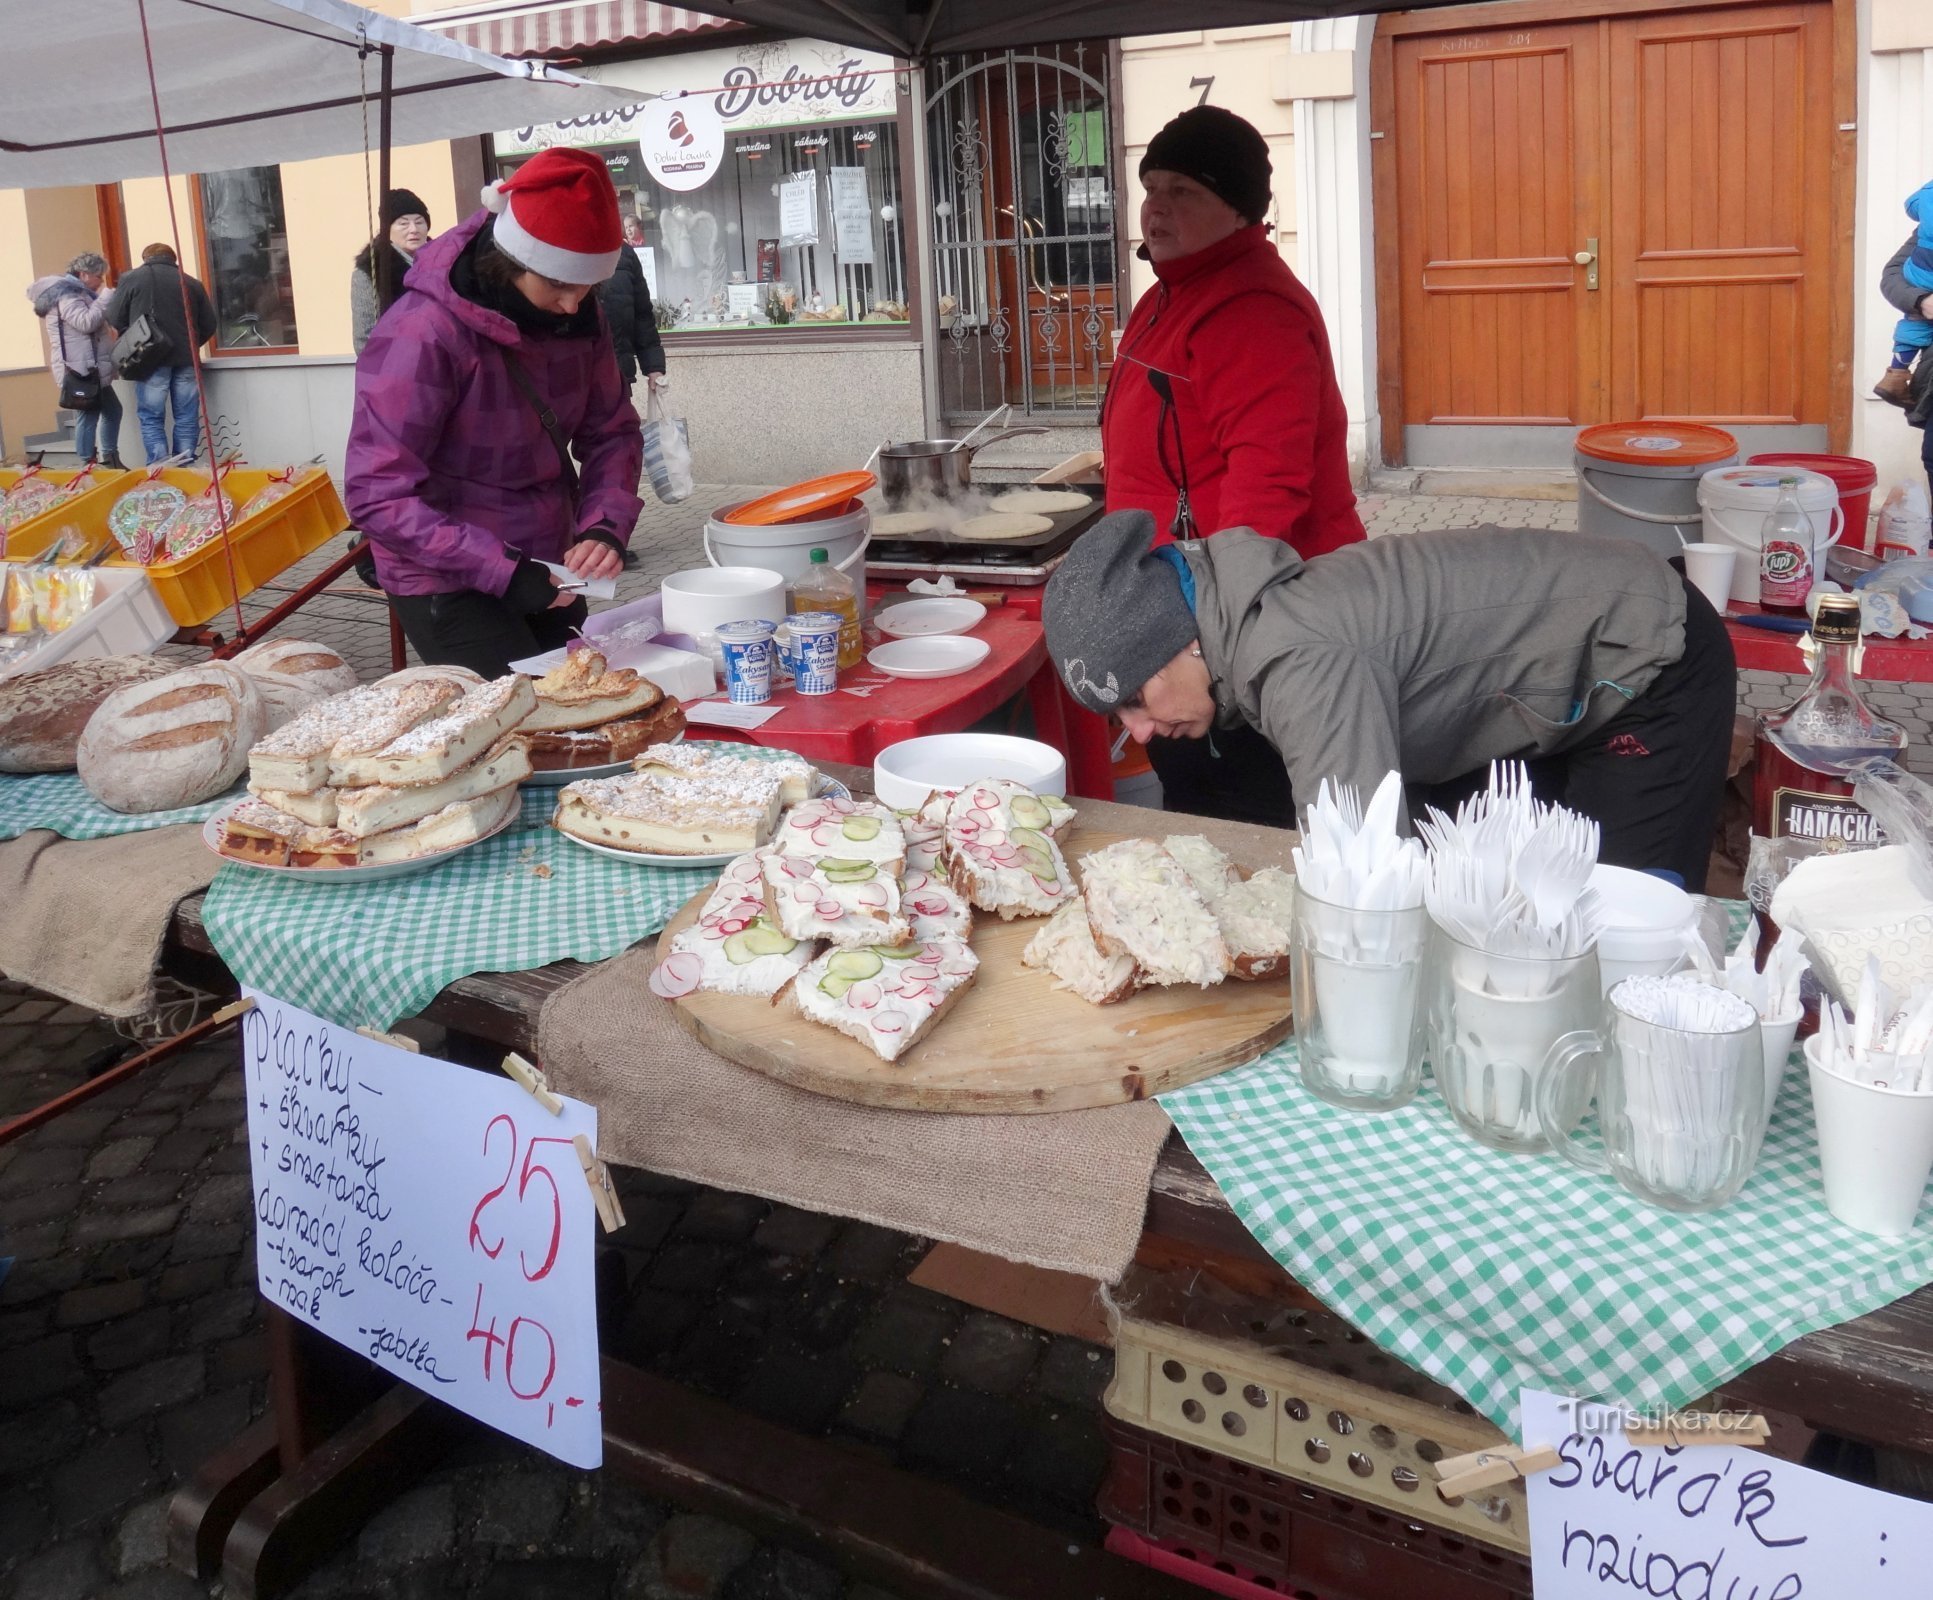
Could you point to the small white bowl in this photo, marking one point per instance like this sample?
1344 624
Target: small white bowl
704 599
938 655
906 773
918 619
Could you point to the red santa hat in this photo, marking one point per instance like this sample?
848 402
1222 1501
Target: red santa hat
557 215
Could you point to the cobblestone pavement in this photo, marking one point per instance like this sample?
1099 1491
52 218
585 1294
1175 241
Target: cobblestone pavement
131 1347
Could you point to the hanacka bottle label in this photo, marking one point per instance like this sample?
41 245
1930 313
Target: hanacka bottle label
1832 820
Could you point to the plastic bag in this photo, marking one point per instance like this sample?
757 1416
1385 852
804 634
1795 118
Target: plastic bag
667 452
141 514
1905 520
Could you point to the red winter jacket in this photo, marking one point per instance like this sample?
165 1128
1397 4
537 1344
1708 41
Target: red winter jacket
1261 422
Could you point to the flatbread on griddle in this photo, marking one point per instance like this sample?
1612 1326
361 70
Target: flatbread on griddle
1042 502
993 526
905 524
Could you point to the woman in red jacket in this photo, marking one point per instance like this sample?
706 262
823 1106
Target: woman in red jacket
1222 410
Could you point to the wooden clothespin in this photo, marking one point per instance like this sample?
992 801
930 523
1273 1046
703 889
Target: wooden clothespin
598 1176
401 1041
1485 1469
531 1076
1696 1427
234 1009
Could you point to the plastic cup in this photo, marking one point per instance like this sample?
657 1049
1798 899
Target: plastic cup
748 651
1875 1148
1777 1040
1709 568
815 650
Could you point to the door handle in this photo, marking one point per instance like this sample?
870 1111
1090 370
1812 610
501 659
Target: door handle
1587 259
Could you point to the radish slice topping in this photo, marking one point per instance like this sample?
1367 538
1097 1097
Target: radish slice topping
865 995
677 975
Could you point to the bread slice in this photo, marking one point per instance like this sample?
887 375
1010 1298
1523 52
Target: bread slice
1140 903
463 823
886 998
1206 864
740 948
925 838
582 692
850 903
997 859
317 809
1255 917
796 778
572 749
1014 805
365 812
853 830
935 910
669 816
295 758
431 751
1065 948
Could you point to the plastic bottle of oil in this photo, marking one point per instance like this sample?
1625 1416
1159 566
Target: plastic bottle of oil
826 588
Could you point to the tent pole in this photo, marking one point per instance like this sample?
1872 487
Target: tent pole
383 112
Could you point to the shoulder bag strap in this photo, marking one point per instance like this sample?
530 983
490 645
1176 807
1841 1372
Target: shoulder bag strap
547 417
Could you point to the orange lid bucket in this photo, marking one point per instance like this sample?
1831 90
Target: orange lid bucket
802 501
1658 444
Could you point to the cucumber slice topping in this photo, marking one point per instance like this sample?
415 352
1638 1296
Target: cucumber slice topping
1029 812
898 952
765 940
853 965
739 950
849 871
860 829
834 986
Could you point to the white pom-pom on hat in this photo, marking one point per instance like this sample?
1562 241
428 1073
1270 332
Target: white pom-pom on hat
494 199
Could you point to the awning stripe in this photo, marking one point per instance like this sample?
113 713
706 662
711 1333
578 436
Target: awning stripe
556 30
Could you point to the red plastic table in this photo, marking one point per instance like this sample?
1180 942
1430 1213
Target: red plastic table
870 710
1885 661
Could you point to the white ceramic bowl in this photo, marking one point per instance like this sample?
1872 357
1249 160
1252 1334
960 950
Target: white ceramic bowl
704 599
1645 922
907 772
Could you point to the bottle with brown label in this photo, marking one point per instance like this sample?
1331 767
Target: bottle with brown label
1802 802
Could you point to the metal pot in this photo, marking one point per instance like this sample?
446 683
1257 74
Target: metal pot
938 469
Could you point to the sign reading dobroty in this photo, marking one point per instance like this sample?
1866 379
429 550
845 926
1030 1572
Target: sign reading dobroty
429 1217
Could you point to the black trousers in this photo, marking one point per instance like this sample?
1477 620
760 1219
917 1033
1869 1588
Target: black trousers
1654 775
1234 774
466 628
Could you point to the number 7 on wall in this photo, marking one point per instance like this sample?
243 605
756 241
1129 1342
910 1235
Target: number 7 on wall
1203 84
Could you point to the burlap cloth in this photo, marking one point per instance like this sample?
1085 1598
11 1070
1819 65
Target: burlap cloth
85 919
1066 1191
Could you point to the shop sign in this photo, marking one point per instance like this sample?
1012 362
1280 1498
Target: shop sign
683 141
433 1219
781 83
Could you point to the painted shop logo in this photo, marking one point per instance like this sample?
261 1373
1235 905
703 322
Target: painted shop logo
682 140
847 85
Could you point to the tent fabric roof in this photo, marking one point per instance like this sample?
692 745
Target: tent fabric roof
244 83
917 29
542 30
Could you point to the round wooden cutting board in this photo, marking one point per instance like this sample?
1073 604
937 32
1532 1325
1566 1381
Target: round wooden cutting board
1012 1042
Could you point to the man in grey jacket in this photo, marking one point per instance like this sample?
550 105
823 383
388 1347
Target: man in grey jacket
1914 302
1432 654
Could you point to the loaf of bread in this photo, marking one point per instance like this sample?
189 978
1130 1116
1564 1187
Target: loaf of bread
172 741
293 675
42 713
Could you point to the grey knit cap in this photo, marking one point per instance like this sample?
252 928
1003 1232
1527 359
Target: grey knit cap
1114 612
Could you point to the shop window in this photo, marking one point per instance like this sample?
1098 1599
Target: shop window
796 227
245 245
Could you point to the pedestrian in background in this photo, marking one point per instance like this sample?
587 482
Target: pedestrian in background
80 340
377 278
626 299
154 290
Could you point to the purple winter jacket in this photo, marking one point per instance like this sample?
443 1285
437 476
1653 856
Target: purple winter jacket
449 471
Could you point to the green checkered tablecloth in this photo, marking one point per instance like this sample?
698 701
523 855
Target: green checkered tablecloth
60 802
1494 1272
369 954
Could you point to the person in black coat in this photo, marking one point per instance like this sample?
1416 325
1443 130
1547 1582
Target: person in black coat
1914 302
153 290
634 325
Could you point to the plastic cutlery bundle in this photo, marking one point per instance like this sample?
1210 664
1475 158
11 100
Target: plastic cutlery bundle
1356 858
1773 993
1887 1041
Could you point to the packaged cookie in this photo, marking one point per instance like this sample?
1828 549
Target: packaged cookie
139 517
19 602
196 524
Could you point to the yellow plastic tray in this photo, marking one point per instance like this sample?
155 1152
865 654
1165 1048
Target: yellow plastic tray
90 505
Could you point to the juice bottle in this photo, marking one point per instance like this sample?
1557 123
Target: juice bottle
826 588
1785 553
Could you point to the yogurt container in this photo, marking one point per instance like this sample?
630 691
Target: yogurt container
748 652
815 650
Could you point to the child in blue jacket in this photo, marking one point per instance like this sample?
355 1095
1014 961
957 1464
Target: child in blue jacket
1913 334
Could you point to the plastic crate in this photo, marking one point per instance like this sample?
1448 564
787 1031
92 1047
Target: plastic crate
126 619
87 507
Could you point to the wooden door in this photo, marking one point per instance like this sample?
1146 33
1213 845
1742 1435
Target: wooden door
1717 257
1499 177
1689 148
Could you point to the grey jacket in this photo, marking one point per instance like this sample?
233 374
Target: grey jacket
77 331
1904 296
1433 653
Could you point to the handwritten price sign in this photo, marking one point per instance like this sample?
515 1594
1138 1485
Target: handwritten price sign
1709 1522
432 1218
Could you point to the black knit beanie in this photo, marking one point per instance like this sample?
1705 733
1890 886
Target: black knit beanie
1221 152
1114 612
401 203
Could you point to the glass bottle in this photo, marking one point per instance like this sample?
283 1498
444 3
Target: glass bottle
1785 553
826 588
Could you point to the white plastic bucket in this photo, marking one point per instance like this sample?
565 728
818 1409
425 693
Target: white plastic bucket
1737 500
704 599
786 547
1639 480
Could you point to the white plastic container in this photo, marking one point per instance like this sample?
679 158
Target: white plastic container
1645 923
126 619
703 599
906 773
1736 501
786 547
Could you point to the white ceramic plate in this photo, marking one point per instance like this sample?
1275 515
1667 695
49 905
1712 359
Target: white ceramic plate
211 836
918 619
936 656
826 789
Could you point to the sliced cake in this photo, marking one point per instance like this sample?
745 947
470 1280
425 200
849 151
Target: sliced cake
462 823
317 809
670 816
1140 903
1065 948
295 758
573 749
581 691
796 778
886 997
380 807
431 751
853 830
845 902
256 831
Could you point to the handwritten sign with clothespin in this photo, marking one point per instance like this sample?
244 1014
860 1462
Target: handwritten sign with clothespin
1485 1469
431 1218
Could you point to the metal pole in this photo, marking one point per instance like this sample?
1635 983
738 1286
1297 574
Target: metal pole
383 114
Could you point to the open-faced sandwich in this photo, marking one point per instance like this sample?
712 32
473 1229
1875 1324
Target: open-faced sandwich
886 997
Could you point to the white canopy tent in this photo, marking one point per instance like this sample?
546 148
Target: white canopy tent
246 83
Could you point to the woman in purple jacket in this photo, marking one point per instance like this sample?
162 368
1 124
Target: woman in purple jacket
473 394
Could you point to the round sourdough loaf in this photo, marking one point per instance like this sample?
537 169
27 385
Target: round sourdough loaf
172 741
462 677
292 675
42 713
